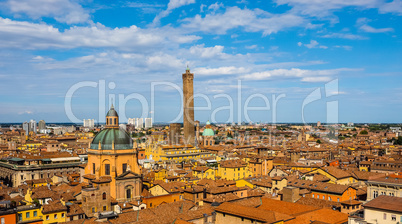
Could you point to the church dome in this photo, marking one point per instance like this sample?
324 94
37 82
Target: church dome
107 137
112 112
208 130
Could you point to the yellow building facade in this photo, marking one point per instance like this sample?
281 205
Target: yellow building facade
112 156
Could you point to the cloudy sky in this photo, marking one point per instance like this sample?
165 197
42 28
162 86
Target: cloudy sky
321 60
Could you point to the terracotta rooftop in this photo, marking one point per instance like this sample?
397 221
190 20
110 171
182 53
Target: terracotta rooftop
324 215
384 202
55 206
285 207
318 186
252 213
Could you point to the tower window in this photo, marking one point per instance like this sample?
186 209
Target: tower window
124 167
104 196
110 121
115 121
93 168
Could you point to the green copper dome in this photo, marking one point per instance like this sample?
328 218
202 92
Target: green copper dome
107 137
208 132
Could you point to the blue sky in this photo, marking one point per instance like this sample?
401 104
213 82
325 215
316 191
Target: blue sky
288 47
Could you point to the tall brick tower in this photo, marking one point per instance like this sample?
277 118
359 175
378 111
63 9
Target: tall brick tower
188 108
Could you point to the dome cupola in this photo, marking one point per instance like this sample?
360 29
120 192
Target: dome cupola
112 118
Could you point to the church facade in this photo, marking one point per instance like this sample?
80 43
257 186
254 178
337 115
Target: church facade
112 168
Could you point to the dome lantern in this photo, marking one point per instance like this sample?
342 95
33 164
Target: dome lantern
112 118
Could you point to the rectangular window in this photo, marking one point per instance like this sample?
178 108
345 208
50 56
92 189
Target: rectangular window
28 214
62 215
93 168
104 208
124 167
3 221
393 217
385 216
107 169
47 217
35 213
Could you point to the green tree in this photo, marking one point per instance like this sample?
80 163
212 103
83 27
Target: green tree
398 141
364 132
318 141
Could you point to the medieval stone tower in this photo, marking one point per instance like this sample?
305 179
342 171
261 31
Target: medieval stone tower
188 108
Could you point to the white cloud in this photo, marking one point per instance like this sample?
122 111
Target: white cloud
325 8
202 7
344 36
26 112
250 20
173 4
304 75
38 57
313 44
207 52
370 29
254 46
346 47
164 60
362 23
231 70
143 5
316 79
392 7
28 35
65 11
215 6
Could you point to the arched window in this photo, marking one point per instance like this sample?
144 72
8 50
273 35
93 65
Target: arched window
104 196
107 169
128 193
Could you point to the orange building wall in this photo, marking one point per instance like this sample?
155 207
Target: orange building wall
348 194
11 218
141 154
157 200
